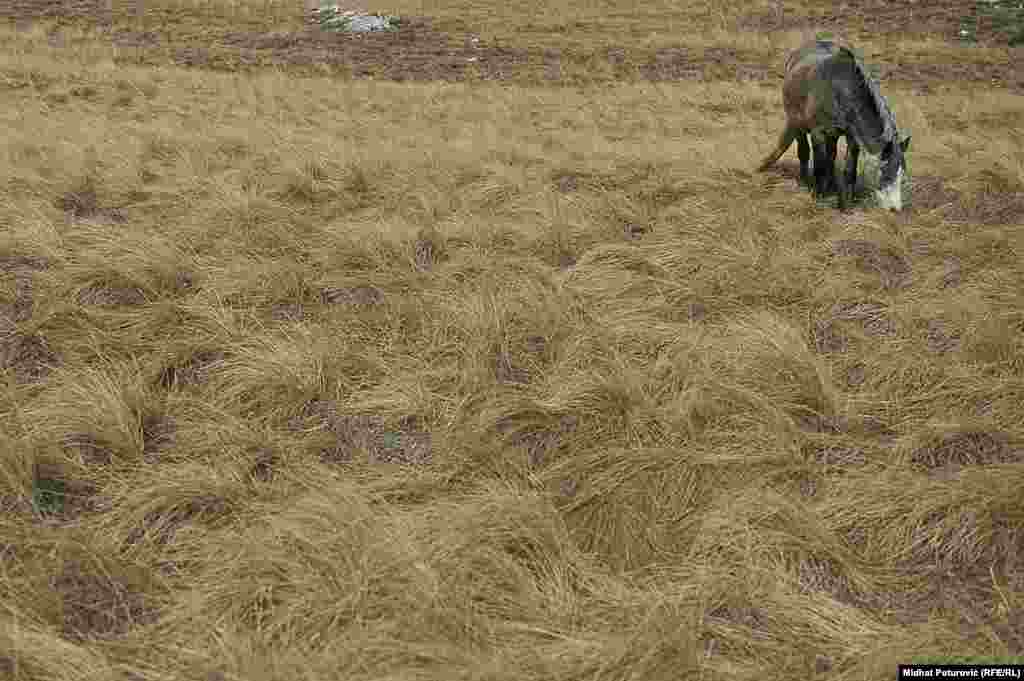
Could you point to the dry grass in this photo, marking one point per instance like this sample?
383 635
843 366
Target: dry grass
320 378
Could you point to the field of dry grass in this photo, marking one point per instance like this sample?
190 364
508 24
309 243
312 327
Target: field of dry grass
409 356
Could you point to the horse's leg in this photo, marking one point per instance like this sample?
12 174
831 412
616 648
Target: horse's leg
821 162
831 150
803 149
840 179
852 155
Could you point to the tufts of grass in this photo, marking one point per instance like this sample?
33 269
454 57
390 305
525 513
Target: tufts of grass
305 377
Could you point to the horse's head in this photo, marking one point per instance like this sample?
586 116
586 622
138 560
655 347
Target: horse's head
892 165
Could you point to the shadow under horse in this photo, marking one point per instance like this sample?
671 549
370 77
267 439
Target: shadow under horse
828 94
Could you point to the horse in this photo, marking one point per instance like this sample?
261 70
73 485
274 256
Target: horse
828 94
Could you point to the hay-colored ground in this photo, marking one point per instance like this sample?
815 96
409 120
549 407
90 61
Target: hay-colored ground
518 376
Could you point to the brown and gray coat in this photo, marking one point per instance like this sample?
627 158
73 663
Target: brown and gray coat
827 93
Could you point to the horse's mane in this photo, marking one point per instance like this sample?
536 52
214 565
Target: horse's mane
881 106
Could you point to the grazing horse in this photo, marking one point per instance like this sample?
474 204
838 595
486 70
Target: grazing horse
828 94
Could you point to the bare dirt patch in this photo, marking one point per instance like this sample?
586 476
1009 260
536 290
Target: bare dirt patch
871 317
369 438
965 448
27 356
16 290
99 603
988 208
352 295
893 268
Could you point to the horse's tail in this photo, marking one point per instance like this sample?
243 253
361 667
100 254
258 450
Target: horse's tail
785 139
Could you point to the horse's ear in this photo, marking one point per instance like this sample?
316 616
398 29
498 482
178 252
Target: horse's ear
905 144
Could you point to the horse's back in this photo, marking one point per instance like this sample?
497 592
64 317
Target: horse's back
811 54
803 73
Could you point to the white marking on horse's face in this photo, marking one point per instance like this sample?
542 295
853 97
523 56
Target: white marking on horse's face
890 197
